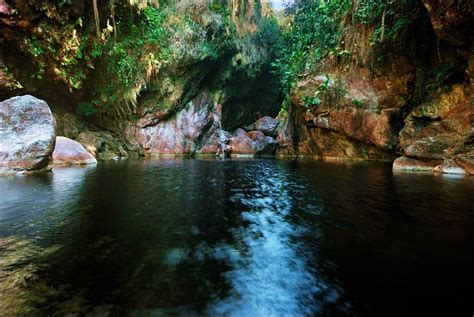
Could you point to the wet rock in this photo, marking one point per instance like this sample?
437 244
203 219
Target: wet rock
465 159
465 162
70 152
410 164
27 134
242 144
449 167
253 143
269 148
267 125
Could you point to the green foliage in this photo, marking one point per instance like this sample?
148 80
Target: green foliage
332 91
219 8
358 103
125 58
391 18
311 102
314 32
87 109
142 43
317 29
59 51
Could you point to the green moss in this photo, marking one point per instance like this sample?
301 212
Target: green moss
358 103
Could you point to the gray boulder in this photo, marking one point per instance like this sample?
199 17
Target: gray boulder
268 125
27 135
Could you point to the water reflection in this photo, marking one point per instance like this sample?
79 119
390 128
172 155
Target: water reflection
239 238
268 268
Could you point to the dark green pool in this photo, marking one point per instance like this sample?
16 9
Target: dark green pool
236 238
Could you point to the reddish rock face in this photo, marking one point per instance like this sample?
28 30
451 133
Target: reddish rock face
4 8
253 143
27 134
195 129
436 129
359 122
241 143
70 152
256 135
466 161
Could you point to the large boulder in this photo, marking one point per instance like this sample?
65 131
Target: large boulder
268 125
27 135
70 152
437 128
253 143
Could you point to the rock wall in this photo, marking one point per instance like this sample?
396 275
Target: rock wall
213 78
391 109
195 129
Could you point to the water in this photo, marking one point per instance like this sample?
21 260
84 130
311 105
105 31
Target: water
236 238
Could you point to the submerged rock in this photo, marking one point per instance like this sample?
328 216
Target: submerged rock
27 135
68 151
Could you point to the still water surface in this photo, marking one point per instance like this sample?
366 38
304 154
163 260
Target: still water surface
236 238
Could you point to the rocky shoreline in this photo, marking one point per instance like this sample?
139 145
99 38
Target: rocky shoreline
30 140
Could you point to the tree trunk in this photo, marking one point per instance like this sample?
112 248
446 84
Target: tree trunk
96 17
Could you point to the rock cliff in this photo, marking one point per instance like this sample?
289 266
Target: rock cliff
376 99
154 80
